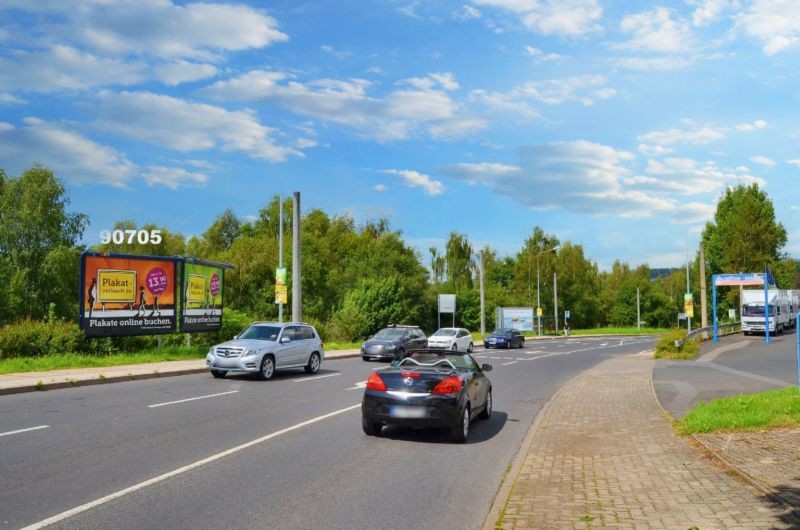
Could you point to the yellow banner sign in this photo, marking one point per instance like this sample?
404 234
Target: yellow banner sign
196 289
538 311
281 294
116 286
688 305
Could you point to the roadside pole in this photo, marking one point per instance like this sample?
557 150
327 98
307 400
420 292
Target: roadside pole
280 250
638 313
483 293
297 312
797 337
555 301
703 304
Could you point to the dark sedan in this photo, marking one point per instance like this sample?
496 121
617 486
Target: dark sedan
505 338
428 389
393 342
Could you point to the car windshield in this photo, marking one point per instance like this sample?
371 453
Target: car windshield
389 334
430 358
261 333
445 333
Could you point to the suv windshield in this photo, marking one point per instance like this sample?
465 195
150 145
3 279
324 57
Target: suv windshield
389 334
445 333
261 333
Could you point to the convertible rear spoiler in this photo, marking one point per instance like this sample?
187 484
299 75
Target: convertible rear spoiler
409 360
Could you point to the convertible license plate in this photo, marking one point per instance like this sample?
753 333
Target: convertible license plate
404 411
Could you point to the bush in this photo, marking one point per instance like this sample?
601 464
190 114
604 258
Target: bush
666 349
33 338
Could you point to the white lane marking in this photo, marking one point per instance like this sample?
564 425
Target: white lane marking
175 472
190 399
359 385
313 378
9 433
512 362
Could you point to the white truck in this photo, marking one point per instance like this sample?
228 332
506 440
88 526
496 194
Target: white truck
794 301
752 310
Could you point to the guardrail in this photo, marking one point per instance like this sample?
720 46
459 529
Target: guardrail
708 331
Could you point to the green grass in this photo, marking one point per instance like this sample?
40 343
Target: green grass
61 362
332 346
773 408
666 349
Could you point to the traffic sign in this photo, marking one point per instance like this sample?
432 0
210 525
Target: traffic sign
566 315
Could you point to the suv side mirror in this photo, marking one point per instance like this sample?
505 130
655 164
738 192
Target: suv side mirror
235 337
284 340
486 367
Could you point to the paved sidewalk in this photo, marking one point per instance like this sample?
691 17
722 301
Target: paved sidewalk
604 455
33 381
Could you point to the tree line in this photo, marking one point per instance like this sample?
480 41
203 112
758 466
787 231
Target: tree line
359 277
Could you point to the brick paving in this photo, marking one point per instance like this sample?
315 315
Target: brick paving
605 456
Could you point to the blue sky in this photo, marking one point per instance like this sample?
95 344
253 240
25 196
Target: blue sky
615 125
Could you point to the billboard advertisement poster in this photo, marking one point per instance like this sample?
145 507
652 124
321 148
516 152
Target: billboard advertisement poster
127 295
520 318
447 303
202 288
281 294
688 305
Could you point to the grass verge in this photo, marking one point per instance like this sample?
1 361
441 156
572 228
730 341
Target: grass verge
747 412
63 362
666 348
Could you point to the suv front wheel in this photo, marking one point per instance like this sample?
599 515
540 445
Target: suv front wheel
267 368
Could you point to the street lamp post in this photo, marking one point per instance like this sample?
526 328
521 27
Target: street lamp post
538 290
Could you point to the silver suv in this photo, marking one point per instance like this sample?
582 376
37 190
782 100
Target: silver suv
265 347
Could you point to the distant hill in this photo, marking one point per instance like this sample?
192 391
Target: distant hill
660 273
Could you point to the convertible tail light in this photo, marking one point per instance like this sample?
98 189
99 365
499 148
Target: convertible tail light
374 382
448 385
410 374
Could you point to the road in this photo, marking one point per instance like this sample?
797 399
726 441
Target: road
736 365
286 453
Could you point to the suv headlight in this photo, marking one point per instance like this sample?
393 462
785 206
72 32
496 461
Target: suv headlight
250 353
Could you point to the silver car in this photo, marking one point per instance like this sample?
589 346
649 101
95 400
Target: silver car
265 347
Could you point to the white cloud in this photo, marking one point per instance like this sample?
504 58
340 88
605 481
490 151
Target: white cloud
177 72
775 24
569 18
685 176
794 162
164 29
578 176
505 102
762 160
542 56
70 155
187 126
424 105
651 63
380 187
559 91
655 31
173 177
10 99
659 142
415 179
65 68
468 13
749 127
327 48
708 11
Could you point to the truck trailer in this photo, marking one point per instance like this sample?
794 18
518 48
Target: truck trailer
752 310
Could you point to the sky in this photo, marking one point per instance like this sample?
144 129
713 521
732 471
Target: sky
614 125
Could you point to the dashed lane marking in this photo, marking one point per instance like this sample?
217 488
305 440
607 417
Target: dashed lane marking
313 378
18 431
191 399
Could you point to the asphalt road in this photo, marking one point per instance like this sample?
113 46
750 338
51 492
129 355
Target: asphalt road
287 453
736 365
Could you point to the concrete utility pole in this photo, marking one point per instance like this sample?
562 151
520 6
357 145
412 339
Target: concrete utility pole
483 293
638 313
555 300
297 296
688 289
703 305
280 249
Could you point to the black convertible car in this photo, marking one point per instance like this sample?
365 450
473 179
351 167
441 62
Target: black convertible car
428 389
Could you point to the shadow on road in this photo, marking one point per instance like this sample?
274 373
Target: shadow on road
279 376
786 499
481 431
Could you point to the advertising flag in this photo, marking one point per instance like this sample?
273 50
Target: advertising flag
127 295
688 305
202 297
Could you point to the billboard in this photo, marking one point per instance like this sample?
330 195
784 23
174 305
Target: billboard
520 318
127 295
447 303
202 289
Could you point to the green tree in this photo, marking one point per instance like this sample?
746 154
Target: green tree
218 238
36 231
458 258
